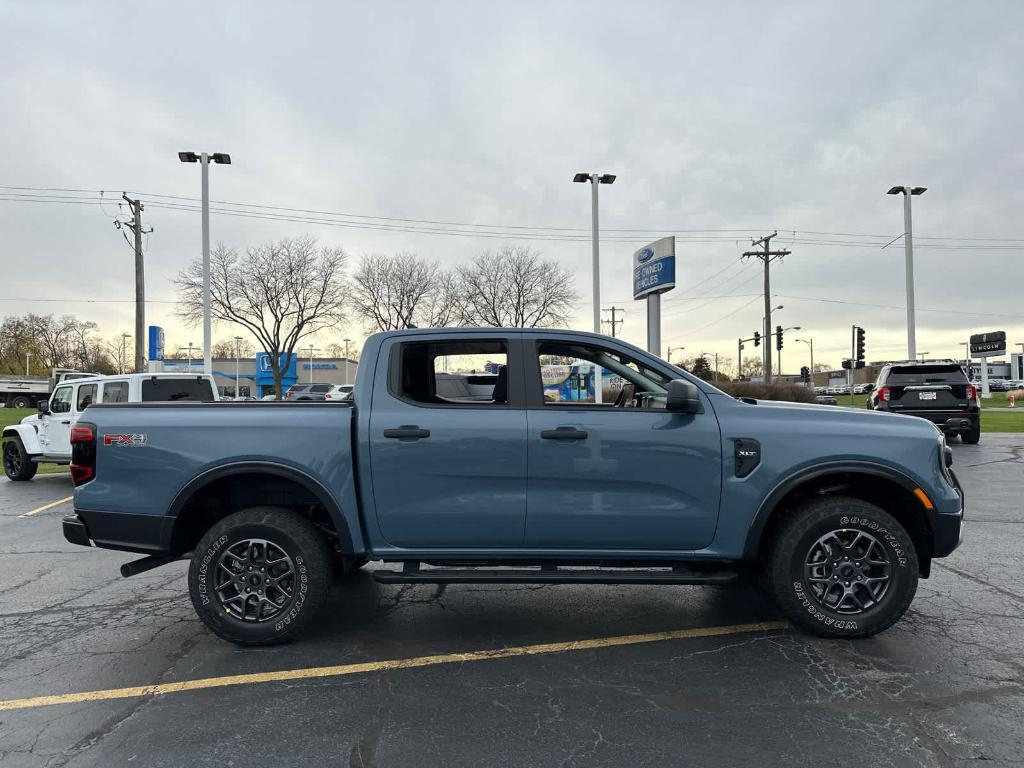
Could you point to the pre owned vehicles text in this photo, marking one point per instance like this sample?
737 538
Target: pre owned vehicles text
656 478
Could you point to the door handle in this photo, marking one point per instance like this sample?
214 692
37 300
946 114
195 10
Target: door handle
563 433
406 432
66 422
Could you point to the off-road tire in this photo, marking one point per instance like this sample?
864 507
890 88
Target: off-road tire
789 584
973 435
290 533
17 464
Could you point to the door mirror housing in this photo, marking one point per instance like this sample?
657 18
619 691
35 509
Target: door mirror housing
43 406
682 397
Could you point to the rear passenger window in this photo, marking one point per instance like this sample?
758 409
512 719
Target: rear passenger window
320 388
453 373
115 392
164 390
86 396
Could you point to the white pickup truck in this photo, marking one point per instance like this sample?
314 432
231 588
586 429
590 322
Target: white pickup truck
46 436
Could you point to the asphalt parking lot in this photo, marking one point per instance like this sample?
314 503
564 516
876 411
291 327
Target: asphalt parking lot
583 675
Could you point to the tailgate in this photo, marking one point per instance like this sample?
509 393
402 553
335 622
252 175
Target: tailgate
928 397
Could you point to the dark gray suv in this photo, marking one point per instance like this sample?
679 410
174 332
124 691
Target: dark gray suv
935 390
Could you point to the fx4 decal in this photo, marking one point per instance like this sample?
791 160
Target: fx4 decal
133 441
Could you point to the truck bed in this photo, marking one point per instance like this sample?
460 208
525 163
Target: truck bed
172 446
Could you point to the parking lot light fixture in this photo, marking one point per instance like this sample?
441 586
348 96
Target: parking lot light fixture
238 341
595 179
908 242
222 158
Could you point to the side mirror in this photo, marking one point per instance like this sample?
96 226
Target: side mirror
43 406
682 397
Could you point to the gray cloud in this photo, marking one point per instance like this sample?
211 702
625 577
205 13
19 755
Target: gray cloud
795 116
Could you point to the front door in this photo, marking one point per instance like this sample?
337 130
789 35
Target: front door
55 427
448 445
609 468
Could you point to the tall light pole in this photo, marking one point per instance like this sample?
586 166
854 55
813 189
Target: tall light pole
311 351
347 342
908 242
191 346
669 351
595 179
238 342
27 356
221 158
811 343
124 352
791 328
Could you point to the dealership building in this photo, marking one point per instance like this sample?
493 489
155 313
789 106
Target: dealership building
255 378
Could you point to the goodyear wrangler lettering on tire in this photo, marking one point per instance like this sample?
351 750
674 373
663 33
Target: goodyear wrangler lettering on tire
204 568
263 575
842 567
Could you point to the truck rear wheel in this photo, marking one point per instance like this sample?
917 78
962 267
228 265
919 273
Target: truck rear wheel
259 576
21 402
17 464
841 567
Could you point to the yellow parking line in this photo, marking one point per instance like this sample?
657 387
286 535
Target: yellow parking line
45 507
383 666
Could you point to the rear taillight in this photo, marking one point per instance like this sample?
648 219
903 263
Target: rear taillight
972 392
883 393
83 453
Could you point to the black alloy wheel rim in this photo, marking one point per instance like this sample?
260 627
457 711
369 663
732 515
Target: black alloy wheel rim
12 458
848 571
254 580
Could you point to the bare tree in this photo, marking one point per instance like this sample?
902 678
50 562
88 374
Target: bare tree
281 292
401 291
225 349
515 287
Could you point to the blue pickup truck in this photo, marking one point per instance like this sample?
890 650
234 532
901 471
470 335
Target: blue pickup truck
655 477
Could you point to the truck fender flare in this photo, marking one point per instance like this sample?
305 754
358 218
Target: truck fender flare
770 502
29 437
307 481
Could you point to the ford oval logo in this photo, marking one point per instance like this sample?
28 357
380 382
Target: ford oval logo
645 255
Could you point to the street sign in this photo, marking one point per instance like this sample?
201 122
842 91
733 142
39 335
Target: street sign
654 268
156 342
985 344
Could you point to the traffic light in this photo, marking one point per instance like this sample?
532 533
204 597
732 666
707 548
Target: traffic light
847 364
778 337
757 338
805 373
860 346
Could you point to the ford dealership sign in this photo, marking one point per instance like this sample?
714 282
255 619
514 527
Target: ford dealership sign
654 268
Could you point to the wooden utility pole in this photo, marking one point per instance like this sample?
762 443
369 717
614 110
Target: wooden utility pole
767 256
615 323
135 225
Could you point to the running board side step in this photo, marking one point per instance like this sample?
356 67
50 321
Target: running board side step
413 574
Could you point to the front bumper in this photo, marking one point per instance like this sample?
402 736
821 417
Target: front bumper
948 527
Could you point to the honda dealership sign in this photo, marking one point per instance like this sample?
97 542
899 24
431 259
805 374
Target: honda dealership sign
654 268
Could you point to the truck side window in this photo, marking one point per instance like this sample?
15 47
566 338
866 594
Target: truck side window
571 373
86 396
61 402
453 373
115 392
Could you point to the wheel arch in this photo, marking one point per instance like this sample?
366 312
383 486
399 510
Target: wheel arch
203 501
877 484
28 436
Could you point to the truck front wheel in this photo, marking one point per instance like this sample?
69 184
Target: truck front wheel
259 576
17 464
841 567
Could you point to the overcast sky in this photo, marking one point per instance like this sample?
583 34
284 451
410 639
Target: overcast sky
746 117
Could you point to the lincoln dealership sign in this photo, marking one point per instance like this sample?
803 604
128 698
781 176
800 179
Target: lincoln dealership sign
654 268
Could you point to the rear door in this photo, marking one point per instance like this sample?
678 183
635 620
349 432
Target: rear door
927 388
448 472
